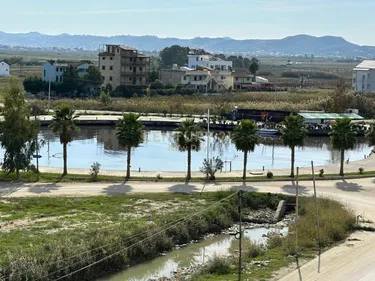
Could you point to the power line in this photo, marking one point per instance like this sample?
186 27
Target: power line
173 224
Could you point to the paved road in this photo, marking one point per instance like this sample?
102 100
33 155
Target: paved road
352 261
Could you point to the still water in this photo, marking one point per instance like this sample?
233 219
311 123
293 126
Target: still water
198 253
159 153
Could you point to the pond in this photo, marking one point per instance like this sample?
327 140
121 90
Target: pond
159 153
193 254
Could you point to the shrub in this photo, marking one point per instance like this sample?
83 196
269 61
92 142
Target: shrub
210 167
251 249
269 175
94 171
321 173
104 98
360 170
274 240
217 265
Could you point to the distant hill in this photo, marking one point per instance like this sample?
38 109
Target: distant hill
292 45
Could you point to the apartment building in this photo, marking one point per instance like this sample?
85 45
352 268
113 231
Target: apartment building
210 61
123 66
364 76
52 71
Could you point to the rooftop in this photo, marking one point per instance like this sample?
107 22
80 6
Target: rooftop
370 64
330 116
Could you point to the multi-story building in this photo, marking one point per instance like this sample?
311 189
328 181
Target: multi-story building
52 71
122 65
364 76
208 61
4 68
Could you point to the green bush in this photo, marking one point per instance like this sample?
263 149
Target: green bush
269 175
251 249
217 266
274 240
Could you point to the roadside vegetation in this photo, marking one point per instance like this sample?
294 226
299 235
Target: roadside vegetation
260 262
45 238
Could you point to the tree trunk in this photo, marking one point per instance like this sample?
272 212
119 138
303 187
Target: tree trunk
128 163
292 162
188 177
342 162
244 165
65 155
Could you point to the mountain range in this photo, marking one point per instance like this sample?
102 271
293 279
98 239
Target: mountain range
292 45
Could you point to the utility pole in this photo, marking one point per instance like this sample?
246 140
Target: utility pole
297 218
49 96
316 213
208 134
240 235
37 155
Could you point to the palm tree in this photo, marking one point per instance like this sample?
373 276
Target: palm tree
245 139
293 132
63 123
129 132
343 137
188 138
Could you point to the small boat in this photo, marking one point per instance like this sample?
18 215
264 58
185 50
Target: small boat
267 132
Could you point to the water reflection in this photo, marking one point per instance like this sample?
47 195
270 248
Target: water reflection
159 152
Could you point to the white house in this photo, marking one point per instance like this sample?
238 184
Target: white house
4 68
52 71
210 61
364 76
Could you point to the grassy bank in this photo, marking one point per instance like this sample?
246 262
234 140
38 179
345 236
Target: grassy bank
198 104
85 178
46 238
261 261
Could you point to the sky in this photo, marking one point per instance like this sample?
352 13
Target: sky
239 19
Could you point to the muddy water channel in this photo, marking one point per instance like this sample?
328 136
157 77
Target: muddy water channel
190 255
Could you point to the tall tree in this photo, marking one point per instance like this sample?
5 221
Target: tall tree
188 138
340 100
245 139
254 67
129 132
93 76
17 131
293 132
64 124
174 54
70 80
343 137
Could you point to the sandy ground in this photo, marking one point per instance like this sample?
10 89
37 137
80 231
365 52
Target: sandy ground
367 164
352 260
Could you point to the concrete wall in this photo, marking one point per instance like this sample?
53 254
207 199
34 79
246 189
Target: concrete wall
364 80
171 76
4 68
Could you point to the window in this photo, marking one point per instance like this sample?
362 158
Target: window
118 50
195 78
131 59
236 78
140 69
44 73
111 58
57 78
103 58
140 80
131 68
248 79
61 78
110 78
57 69
222 77
103 78
201 58
212 66
200 77
184 77
103 67
111 67
197 58
130 79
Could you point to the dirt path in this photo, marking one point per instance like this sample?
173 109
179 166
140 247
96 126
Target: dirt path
350 261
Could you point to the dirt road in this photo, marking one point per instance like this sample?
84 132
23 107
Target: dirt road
351 261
